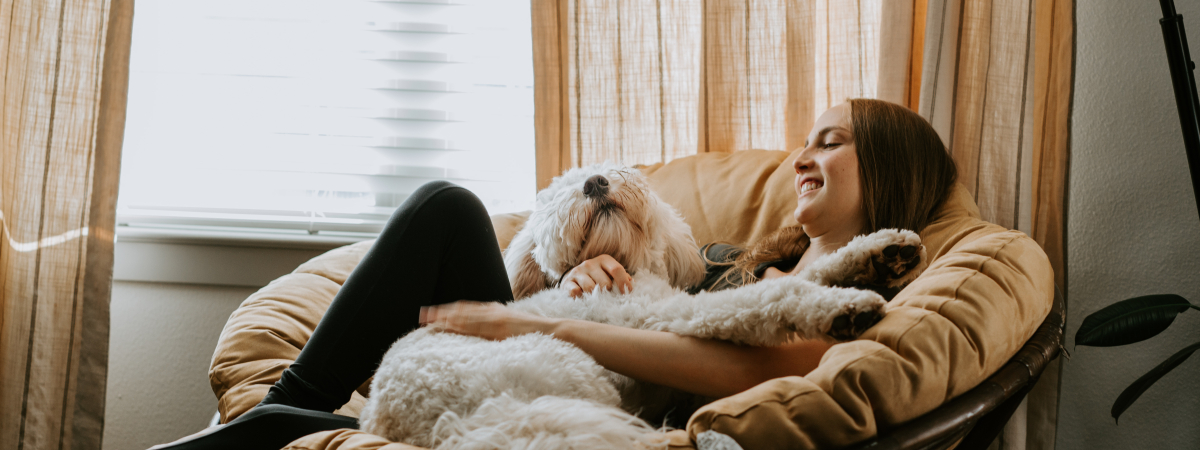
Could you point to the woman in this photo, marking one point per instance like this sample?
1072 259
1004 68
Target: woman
867 165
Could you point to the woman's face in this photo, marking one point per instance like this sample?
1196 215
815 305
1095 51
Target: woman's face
829 194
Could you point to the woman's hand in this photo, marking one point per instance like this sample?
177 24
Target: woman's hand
488 320
602 272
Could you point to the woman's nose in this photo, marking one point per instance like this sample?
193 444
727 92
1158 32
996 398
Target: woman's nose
803 162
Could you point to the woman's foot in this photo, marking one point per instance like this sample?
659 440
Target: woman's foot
263 427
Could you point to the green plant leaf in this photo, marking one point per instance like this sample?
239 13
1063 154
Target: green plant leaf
1135 390
1129 321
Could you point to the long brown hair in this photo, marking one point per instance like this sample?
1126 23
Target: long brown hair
904 169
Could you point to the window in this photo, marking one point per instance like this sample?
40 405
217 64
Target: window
321 116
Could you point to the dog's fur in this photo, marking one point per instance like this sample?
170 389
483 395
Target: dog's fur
452 391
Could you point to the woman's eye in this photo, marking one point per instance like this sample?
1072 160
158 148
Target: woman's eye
831 144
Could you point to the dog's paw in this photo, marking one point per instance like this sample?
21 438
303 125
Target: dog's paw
855 318
893 258
820 312
851 325
896 264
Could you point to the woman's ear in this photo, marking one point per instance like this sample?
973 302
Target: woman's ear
525 276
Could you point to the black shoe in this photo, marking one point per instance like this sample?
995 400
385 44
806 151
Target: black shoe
265 427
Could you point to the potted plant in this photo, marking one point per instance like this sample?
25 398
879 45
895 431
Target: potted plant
1135 320
1141 318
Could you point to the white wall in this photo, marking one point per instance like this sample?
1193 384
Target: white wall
172 297
163 336
1132 228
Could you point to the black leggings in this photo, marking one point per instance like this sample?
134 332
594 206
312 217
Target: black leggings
438 247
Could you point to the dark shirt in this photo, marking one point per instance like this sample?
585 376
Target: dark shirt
718 260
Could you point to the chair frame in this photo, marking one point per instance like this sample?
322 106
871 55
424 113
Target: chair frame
974 419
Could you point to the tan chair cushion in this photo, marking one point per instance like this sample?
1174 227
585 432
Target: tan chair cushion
986 290
265 334
730 197
345 439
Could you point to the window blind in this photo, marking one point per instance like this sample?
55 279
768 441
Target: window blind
322 116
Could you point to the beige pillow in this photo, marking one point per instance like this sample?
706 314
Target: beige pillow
731 197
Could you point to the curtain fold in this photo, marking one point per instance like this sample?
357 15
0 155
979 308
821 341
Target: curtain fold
996 85
65 72
1054 54
975 91
896 51
647 81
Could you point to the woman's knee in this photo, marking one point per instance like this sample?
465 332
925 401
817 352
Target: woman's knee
428 190
444 197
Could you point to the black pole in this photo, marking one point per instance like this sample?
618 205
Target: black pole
1184 81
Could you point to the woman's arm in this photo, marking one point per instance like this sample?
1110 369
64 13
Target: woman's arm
701 366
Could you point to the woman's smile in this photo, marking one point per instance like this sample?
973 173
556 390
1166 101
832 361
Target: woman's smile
807 186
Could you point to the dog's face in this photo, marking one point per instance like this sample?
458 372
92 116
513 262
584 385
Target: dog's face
602 209
593 211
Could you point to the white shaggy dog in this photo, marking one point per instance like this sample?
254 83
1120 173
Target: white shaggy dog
444 390
603 209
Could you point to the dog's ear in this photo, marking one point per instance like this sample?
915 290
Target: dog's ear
525 276
681 255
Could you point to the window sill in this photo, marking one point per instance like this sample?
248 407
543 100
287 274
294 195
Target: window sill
215 257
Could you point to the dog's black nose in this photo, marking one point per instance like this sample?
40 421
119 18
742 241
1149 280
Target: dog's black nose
596 186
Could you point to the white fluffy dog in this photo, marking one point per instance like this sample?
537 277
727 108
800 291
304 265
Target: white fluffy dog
604 209
444 390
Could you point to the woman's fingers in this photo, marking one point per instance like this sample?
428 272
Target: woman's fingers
580 283
572 288
580 279
488 320
600 272
426 315
432 315
597 274
616 273
459 316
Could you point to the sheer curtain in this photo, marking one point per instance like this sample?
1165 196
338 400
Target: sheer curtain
642 81
996 85
65 71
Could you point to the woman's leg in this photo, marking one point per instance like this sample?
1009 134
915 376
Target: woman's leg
438 247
